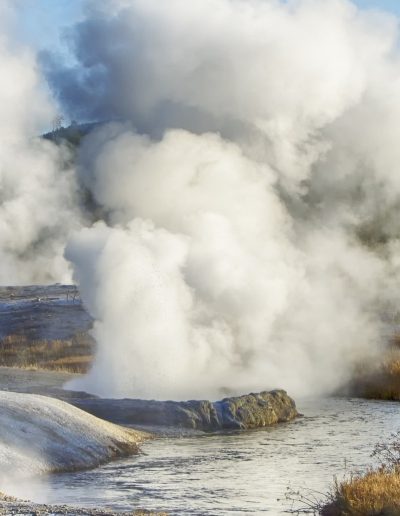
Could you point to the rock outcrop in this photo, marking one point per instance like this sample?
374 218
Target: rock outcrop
242 412
40 434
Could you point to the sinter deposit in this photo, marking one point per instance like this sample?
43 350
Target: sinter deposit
242 412
40 434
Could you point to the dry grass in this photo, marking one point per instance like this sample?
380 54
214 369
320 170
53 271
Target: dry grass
382 380
375 494
70 355
73 364
7 498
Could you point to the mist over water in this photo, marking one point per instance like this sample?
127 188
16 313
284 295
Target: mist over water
247 234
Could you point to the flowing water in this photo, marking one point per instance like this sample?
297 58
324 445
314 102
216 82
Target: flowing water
238 473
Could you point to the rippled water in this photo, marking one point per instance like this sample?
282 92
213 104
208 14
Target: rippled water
238 473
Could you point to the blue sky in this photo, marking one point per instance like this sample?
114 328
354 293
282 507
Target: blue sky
41 21
388 5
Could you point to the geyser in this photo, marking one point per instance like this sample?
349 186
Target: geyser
246 232
236 253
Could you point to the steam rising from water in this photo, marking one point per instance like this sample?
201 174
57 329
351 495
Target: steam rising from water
249 232
235 255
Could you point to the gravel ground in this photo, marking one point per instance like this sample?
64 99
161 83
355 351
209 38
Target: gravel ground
28 380
9 506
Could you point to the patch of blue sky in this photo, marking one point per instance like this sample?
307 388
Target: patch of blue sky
392 6
41 23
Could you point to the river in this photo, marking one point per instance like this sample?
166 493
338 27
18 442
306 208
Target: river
237 473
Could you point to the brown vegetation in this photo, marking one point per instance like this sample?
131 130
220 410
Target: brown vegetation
73 355
377 493
380 380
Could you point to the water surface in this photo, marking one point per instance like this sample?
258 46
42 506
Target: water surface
239 473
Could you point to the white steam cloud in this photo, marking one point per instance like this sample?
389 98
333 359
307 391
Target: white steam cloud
37 188
248 234
250 241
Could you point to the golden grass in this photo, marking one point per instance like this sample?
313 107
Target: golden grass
380 380
71 355
7 498
73 364
376 493
391 364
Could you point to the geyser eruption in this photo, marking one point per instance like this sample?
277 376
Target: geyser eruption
193 273
201 284
249 238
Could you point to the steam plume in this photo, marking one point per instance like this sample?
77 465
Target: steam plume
248 232
38 204
246 243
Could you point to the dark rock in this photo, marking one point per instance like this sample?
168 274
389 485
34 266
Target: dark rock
42 312
240 413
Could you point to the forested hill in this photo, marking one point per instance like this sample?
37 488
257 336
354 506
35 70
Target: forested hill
72 134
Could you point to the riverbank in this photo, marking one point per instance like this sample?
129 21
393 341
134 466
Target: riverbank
233 472
379 380
377 493
11 506
373 493
52 417
43 435
29 380
45 326
51 381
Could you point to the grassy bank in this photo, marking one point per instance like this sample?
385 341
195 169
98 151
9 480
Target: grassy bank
377 493
379 380
374 493
73 355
